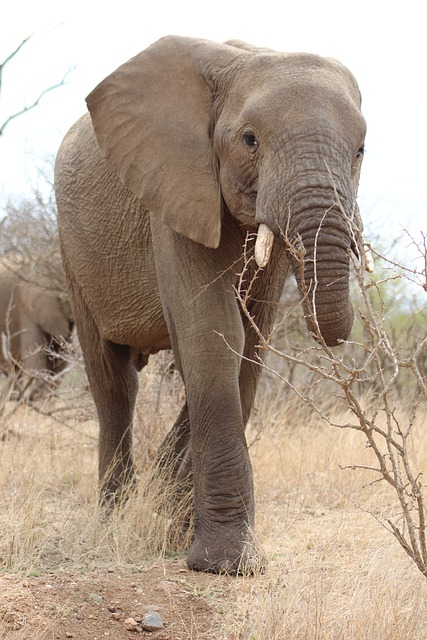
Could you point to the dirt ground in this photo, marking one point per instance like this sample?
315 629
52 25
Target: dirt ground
102 604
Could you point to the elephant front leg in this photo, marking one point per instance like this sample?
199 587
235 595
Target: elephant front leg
200 307
224 540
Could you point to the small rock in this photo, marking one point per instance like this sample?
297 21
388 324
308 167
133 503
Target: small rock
130 624
168 586
115 615
152 621
96 597
69 635
9 617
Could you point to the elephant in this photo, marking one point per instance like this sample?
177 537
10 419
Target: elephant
187 153
34 322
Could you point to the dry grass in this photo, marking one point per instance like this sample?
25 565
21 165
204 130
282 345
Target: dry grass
333 572
48 477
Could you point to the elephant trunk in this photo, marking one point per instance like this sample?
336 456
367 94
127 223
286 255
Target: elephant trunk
320 253
309 204
319 240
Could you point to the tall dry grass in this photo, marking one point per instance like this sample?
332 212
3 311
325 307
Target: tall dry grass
49 513
333 572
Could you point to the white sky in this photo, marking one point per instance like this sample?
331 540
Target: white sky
383 43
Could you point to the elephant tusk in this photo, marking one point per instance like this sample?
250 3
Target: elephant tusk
263 245
369 260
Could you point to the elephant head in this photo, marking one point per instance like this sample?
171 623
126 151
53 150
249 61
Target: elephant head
36 321
50 312
198 130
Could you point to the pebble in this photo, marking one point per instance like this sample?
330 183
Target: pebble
152 621
130 624
96 597
9 617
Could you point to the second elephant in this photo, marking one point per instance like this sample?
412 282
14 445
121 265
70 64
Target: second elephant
34 322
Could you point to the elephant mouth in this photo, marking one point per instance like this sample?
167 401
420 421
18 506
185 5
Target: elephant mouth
265 240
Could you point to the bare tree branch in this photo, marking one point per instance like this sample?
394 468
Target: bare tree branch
377 362
37 100
12 55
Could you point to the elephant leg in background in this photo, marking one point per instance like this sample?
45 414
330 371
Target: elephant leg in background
55 360
114 384
174 457
114 387
175 451
32 345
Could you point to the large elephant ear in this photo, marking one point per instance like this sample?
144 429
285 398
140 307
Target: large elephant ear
153 121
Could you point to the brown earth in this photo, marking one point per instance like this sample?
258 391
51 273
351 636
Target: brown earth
97 604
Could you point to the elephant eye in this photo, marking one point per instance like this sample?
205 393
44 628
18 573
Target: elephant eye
360 153
250 140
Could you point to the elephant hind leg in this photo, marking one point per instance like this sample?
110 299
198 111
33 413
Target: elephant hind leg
114 388
174 460
114 384
174 452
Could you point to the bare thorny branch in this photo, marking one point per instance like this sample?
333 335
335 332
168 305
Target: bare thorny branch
12 55
36 102
387 434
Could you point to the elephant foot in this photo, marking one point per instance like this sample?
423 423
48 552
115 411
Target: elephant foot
117 491
221 555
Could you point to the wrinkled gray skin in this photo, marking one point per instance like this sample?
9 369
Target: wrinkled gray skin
186 148
33 321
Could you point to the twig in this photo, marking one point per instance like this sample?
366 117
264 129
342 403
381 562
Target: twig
388 444
35 103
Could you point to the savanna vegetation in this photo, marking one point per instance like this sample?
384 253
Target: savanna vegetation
339 449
